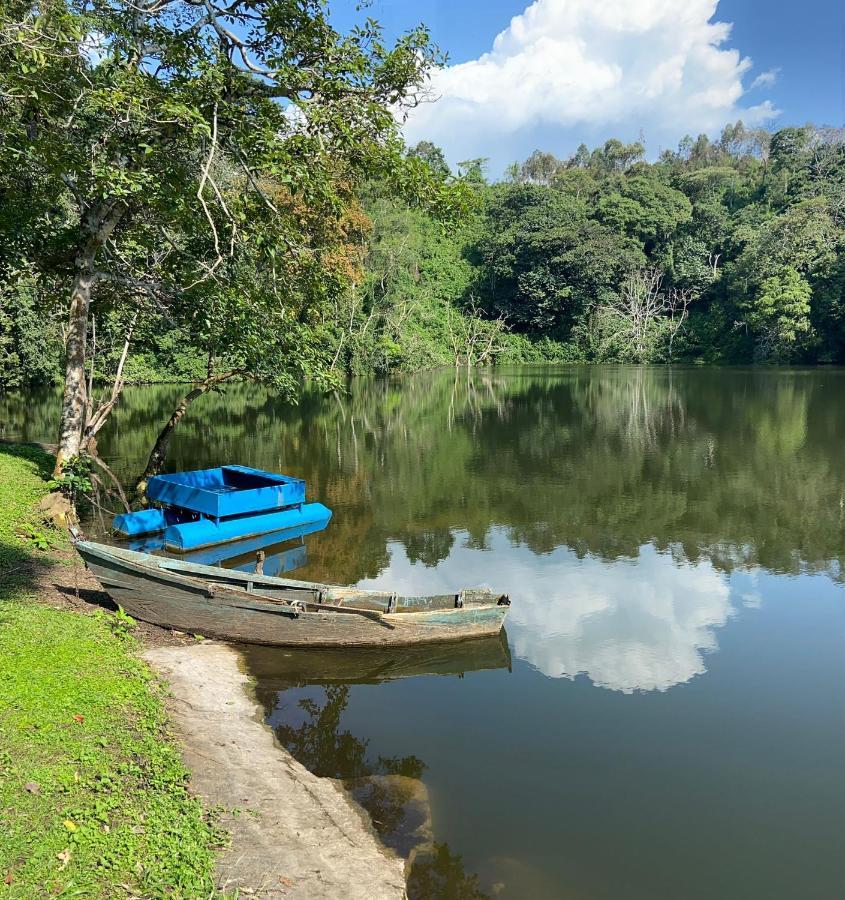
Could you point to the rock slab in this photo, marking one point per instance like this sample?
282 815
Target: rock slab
293 835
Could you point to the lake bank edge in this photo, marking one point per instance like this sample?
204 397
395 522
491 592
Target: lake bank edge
93 795
293 833
33 608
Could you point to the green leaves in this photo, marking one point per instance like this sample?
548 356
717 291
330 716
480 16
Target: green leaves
236 137
780 315
75 478
544 261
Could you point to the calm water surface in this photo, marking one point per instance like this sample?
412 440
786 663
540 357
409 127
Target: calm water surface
666 717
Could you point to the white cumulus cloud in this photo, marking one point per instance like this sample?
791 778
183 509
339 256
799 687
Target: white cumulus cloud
765 79
564 70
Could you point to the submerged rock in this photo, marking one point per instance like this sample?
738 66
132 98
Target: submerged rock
400 811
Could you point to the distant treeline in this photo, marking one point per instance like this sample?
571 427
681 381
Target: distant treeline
727 251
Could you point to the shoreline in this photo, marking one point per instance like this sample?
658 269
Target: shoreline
291 833
294 834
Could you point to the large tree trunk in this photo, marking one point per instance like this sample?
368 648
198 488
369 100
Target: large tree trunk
75 399
98 225
155 463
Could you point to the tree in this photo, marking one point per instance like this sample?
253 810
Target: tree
581 158
415 275
473 171
432 156
738 141
475 341
183 145
26 351
616 156
540 168
645 315
779 315
646 209
544 262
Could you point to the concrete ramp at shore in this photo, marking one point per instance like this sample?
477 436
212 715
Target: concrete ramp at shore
293 834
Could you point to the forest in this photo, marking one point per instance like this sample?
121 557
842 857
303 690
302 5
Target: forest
727 251
187 202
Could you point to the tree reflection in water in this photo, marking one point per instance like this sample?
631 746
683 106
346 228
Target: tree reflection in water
632 513
441 876
393 803
712 463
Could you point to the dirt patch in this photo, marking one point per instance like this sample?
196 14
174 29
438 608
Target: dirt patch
67 584
293 835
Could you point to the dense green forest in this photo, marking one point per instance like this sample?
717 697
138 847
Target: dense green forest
726 251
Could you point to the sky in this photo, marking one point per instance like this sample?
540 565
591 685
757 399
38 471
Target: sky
553 73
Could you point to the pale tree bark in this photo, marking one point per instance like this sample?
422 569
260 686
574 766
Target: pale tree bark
475 340
97 417
98 224
641 316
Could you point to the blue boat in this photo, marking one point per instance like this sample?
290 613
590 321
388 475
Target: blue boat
213 506
227 491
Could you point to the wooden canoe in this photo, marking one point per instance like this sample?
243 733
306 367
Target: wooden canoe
262 609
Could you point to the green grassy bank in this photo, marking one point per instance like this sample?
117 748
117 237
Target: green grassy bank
93 799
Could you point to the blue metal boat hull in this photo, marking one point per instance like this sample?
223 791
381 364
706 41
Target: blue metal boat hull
186 536
227 491
148 521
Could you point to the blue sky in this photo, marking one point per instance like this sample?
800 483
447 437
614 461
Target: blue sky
571 70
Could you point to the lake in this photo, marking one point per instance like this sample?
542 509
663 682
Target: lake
666 717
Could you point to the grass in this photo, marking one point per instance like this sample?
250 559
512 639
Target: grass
93 793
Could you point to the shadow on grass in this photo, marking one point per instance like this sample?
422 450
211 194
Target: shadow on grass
34 453
25 539
89 596
21 570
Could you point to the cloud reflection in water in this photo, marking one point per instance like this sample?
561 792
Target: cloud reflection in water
642 624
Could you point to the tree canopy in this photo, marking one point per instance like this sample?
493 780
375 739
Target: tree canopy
199 162
235 188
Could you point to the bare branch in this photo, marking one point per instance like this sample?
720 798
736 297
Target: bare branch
203 179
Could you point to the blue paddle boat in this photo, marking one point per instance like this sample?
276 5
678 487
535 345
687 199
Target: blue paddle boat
200 509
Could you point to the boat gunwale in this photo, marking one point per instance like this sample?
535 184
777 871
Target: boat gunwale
420 627
163 567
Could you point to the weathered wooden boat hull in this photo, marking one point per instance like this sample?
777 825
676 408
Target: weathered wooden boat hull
255 609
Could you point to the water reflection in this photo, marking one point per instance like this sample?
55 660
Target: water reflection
307 718
617 501
740 467
674 537
642 623
279 551
279 668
